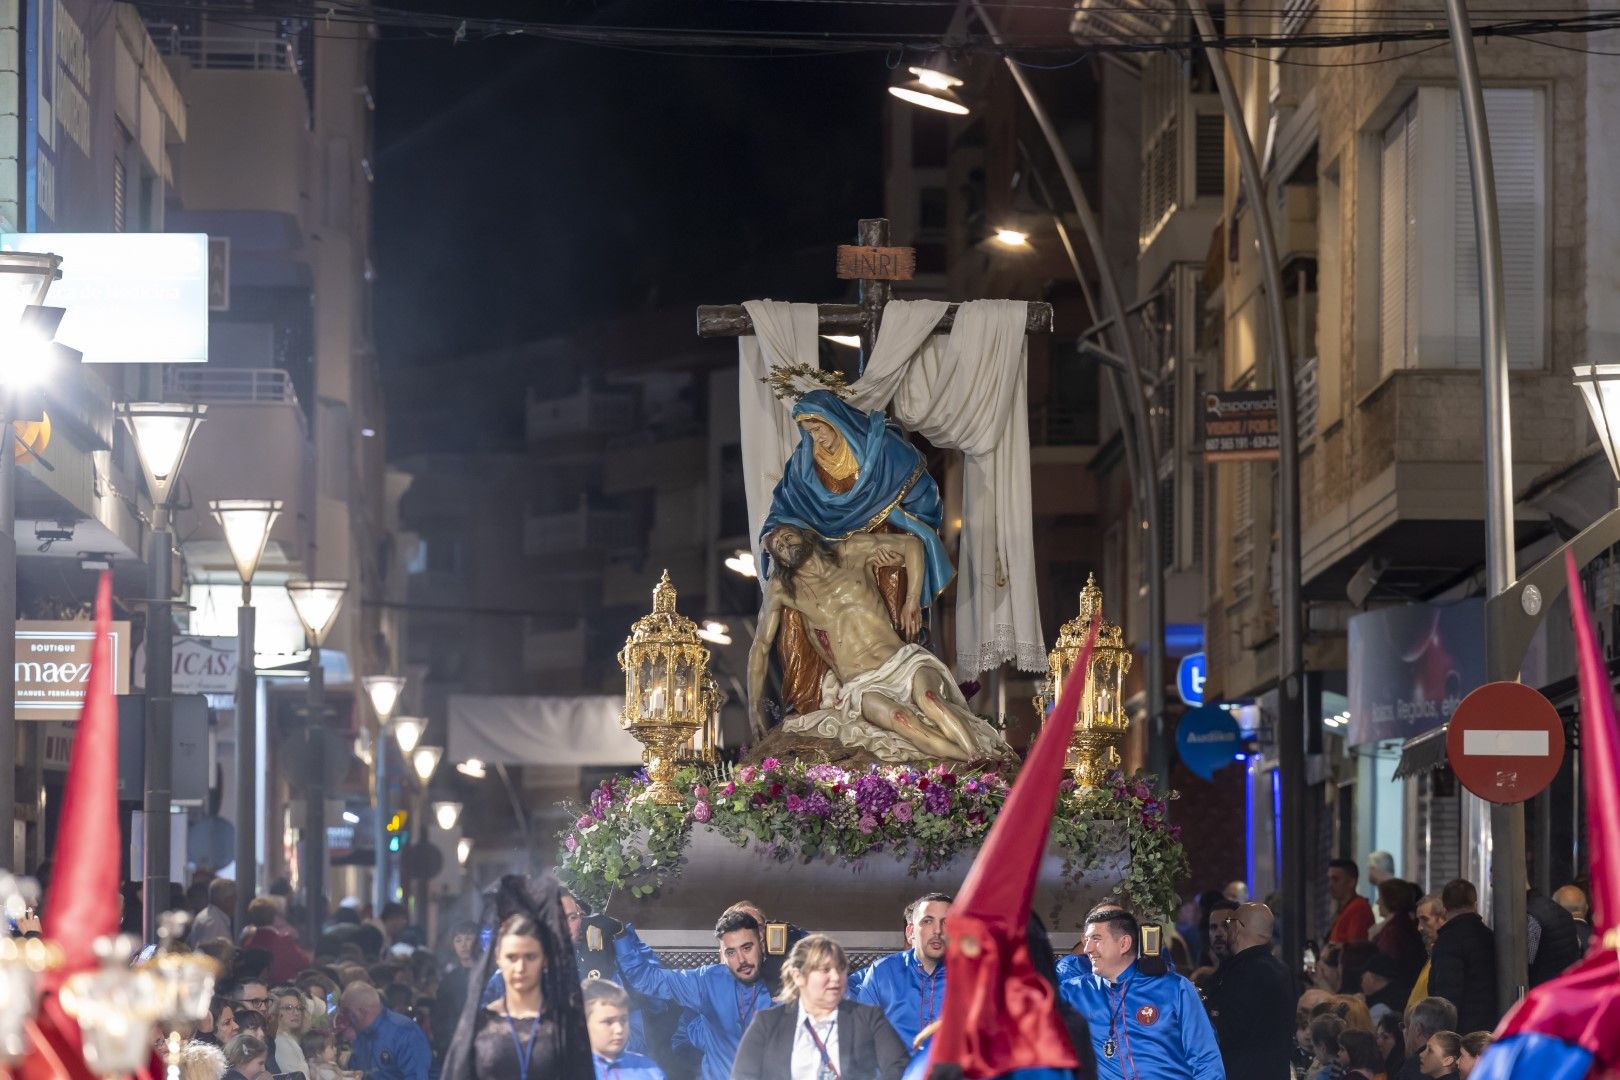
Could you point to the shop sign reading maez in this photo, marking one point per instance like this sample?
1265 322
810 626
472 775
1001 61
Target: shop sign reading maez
53 667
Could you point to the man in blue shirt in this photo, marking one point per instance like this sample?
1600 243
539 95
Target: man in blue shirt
726 995
1147 1022
909 985
386 1045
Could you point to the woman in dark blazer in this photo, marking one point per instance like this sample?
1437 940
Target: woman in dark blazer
814 1034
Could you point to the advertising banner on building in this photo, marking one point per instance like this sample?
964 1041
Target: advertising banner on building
1240 425
53 667
202 665
70 141
1411 666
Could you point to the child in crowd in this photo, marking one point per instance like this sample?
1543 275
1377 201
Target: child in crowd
321 1051
607 1018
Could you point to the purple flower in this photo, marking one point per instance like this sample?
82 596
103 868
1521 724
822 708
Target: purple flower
795 804
585 822
701 813
874 795
937 800
1175 833
1141 790
867 824
729 789
769 764
817 805
972 785
825 774
901 811
747 774
571 844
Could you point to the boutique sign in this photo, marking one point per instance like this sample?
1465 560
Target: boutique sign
53 667
1411 666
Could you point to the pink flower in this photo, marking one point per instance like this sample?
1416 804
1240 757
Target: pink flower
867 823
901 811
747 774
700 791
701 813
585 822
769 764
571 844
729 789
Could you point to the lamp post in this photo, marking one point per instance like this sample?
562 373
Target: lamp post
316 604
161 433
384 692
425 762
246 524
24 281
408 732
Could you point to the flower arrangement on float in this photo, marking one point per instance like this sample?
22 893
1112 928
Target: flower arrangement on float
925 817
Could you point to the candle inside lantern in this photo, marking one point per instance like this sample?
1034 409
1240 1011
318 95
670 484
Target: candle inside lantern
655 701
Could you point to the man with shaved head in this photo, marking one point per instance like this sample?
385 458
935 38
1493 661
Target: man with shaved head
386 1045
1251 1001
1573 900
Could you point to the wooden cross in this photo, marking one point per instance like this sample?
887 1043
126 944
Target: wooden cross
873 264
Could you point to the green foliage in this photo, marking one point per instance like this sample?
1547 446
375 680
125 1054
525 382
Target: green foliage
924 818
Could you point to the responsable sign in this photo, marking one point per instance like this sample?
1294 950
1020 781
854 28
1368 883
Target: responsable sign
1240 425
1207 739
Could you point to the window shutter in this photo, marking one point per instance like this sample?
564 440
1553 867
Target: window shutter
1396 273
1514 117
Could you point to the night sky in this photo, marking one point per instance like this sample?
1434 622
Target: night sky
526 188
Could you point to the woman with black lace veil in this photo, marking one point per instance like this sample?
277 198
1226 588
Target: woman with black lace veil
536 1029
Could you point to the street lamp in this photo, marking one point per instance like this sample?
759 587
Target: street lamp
464 848
408 732
316 605
385 692
24 281
474 768
162 433
1600 386
246 524
932 86
447 813
426 761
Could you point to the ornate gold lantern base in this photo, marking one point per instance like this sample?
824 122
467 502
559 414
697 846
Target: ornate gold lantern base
1092 754
664 743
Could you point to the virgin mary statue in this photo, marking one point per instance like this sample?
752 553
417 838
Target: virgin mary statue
852 472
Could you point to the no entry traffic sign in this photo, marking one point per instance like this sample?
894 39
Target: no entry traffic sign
1505 742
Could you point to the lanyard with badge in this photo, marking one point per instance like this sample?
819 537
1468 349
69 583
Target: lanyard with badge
829 1071
524 1050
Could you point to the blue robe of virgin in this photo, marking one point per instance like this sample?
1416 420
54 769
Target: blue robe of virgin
892 485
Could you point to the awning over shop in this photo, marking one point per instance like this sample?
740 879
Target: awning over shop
1425 753
581 731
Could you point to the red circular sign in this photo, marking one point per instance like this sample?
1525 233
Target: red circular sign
1505 742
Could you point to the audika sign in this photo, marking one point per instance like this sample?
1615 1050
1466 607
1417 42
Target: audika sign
1411 666
53 667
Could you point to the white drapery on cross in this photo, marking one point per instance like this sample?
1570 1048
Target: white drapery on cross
966 391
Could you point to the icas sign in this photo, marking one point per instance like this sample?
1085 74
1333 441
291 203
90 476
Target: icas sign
53 667
131 298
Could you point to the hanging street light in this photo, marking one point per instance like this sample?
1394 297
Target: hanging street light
162 434
246 524
1600 386
464 848
384 692
932 86
24 281
474 768
426 762
408 732
316 605
1012 238
446 814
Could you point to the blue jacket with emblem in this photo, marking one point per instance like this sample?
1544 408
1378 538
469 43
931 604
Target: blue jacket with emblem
392 1048
712 991
627 1066
910 997
1156 1024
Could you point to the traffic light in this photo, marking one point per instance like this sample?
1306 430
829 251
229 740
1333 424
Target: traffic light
399 836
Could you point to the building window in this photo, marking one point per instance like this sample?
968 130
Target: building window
1428 281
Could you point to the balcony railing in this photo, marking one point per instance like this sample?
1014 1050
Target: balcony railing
231 386
226 53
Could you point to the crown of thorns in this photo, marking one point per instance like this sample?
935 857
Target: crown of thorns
793 381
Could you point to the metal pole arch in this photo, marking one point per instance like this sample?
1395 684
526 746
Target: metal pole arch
1495 840
1158 746
1290 606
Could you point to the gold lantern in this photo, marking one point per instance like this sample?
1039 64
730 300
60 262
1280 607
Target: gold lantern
1101 725
665 666
704 749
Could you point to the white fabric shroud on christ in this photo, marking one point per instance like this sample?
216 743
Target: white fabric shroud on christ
966 391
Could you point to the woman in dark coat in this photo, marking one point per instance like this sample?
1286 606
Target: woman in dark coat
536 1029
1398 938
